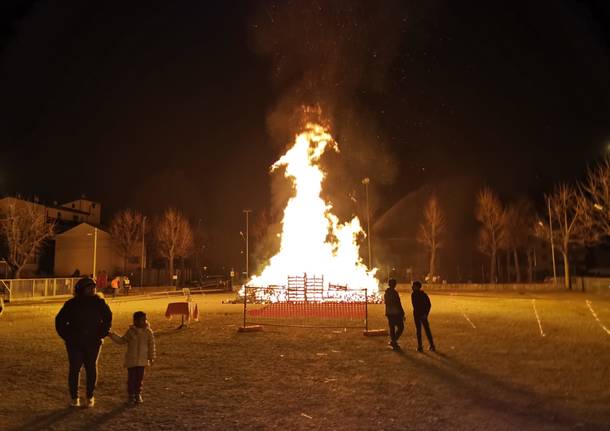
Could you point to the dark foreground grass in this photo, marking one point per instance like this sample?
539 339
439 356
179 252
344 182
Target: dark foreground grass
493 371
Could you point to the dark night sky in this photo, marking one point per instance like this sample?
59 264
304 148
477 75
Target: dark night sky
149 104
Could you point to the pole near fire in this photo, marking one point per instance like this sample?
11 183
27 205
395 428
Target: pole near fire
142 256
366 182
247 212
548 200
94 252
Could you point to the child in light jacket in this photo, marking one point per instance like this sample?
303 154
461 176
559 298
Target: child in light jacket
140 353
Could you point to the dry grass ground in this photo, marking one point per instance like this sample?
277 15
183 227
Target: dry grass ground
493 371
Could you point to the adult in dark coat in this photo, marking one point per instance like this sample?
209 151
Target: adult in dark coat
421 309
394 312
82 323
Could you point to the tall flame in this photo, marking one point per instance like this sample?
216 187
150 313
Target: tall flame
312 239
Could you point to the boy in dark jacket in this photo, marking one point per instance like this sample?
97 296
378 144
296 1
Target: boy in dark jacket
421 309
82 323
394 312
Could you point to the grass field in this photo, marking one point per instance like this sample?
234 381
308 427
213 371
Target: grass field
494 370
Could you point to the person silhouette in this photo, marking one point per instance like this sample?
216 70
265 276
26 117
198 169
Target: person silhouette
394 312
82 323
421 309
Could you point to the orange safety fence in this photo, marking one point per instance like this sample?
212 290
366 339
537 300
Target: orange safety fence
329 310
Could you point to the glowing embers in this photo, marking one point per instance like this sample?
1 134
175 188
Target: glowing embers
308 289
312 240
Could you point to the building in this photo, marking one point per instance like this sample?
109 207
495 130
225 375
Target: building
68 214
82 247
64 216
6 202
86 246
74 212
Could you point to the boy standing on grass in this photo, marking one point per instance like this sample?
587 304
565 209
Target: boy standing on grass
421 309
140 353
394 312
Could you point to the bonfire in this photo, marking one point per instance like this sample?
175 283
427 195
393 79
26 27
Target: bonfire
319 256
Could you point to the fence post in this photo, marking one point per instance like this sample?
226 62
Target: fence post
366 310
46 286
33 289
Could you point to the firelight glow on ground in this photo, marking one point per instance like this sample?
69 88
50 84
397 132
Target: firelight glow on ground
501 375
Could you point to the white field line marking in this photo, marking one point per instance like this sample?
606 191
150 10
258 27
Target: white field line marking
469 321
597 318
542 334
463 312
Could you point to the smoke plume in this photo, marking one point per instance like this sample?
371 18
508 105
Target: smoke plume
329 63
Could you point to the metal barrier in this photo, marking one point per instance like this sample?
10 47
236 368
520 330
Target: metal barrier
30 288
278 302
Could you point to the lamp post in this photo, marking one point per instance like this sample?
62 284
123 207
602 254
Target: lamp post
198 249
142 255
548 201
94 251
247 213
366 182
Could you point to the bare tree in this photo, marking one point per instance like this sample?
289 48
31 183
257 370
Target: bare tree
517 230
174 237
490 214
595 199
503 270
126 229
530 253
506 247
200 241
570 224
430 232
24 228
531 241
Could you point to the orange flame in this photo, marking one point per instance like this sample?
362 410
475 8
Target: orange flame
312 239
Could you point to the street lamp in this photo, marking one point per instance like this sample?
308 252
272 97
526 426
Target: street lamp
93 275
142 255
548 201
198 249
247 213
366 182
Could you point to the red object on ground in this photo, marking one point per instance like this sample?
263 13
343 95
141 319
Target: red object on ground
189 310
331 310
